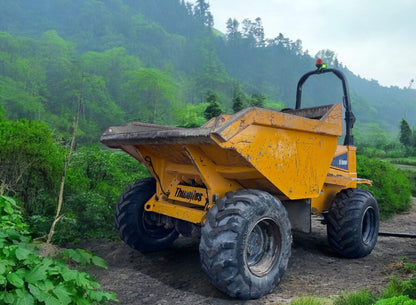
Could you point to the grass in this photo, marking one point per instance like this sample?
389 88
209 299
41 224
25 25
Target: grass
397 292
363 297
308 300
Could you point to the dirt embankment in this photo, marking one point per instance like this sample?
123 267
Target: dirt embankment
174 276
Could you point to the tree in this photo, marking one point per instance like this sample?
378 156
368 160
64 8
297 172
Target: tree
253 32
202 13
208 72
111 65
233 35
238 103
213 109
148 95
188 115
18 103
329 57
406 134
258 32
30 164
248 34
98 110
238 99
95 180
257 100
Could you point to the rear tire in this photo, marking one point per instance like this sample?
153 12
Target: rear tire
353 222
136 227
246 244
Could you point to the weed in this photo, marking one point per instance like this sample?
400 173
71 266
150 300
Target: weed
363 297
28 278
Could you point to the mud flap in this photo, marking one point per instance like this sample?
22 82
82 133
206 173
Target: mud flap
299 212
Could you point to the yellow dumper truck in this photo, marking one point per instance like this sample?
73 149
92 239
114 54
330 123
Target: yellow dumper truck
242 183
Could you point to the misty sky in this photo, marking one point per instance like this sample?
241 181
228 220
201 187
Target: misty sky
375 39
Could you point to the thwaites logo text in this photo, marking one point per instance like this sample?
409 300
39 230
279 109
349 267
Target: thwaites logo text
188 195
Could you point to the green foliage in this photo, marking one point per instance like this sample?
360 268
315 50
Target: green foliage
18 102
238 103
408 166
82 257
406 134
31 164
400 300
95 180
213 109
190 115
397 288
407 266
401 291
28 278
391 187
10 216
277 106
372 140
363 297
257 100
148 95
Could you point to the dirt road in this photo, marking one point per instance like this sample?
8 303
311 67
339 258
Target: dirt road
174 276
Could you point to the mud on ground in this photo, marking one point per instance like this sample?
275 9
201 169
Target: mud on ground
174 276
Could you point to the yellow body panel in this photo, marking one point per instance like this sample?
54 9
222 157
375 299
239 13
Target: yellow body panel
287 154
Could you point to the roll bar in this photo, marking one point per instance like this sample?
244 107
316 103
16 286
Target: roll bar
349 116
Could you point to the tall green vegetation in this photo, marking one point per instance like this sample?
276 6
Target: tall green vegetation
149 95
213 109
406 134
96 179
31 166
407 137
31 163
391 186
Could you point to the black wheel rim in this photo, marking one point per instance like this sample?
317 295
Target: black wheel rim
368 225
263 247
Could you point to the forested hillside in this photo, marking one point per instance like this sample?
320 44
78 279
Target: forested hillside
71 68
159 61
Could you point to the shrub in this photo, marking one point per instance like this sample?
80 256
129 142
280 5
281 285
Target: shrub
31 164
391 187
28 278
95 180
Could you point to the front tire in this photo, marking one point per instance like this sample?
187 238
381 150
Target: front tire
246 244
353 222
137 227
